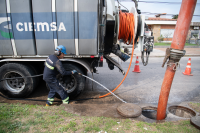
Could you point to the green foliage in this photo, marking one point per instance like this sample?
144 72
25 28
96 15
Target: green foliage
160 38
175 16
195 35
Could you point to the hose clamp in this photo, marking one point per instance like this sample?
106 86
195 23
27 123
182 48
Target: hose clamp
176 54
173 55
176 64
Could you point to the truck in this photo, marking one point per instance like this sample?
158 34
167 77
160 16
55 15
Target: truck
32 29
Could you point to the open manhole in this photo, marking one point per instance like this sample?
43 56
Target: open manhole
150 112
182 111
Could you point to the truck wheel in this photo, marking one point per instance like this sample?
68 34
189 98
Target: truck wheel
74 84
16 87
35 72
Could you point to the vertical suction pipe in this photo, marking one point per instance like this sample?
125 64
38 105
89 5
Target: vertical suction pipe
178 42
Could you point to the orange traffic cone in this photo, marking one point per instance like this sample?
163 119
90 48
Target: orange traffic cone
137 67
188 68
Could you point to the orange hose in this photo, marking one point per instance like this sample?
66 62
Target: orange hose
126 32
178 42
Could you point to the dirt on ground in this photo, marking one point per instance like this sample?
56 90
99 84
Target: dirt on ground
106 107
82 105
41 93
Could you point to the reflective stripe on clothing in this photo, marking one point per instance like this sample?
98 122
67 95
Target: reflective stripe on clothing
50 67
50 99
66 101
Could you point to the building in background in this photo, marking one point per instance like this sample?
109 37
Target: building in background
194 33
163 29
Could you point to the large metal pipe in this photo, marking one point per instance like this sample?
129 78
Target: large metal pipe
178 42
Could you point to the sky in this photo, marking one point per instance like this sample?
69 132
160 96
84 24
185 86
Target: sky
162 7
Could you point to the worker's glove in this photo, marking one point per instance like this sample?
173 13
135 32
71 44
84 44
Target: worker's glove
74 71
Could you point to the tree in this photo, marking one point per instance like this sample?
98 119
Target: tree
160 38
175 16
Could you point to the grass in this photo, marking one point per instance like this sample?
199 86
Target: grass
168 44
34 118
195 106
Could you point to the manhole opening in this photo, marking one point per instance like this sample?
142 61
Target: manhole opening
182 111
150 112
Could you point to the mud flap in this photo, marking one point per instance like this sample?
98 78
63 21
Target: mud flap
115 63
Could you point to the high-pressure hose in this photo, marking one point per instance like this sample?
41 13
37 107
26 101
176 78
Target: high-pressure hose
103 87
58 101
126 32
21 77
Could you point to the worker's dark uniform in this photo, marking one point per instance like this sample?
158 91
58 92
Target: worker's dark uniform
53 66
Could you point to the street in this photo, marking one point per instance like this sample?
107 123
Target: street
145 87
137 88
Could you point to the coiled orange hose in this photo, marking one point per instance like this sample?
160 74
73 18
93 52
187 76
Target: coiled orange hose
126 32
126 27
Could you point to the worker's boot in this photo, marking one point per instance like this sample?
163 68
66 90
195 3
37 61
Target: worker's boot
47 104
49 101
66 101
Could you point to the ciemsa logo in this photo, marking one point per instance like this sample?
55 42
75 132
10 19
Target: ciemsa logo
4 28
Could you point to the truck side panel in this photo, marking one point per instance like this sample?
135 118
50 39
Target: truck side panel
88 21
5 43
21 12
39 26
65 14
42 17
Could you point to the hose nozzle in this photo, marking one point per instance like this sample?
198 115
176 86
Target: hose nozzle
121 55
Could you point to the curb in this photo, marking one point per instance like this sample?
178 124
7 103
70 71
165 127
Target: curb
169 46
159 56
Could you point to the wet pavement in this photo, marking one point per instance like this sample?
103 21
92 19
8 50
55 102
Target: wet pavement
145 87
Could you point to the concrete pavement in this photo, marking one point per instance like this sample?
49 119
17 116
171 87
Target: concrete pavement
145 87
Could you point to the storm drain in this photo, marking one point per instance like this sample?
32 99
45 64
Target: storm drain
150 112
182 111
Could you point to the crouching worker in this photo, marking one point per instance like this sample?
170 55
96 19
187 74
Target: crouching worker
53 66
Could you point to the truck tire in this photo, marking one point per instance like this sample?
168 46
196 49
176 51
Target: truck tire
74 84
16 88
35 72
